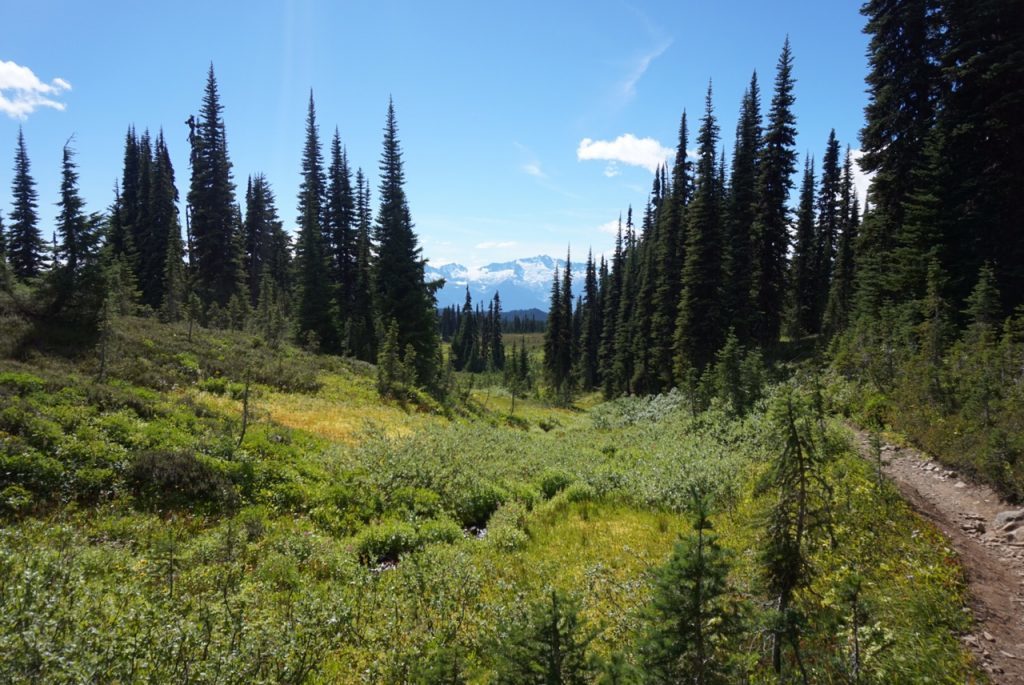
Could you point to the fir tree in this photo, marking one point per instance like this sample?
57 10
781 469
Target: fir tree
625 326
339 228
740 212
827 227
770 237
265 241
497 345
699 324
3 240
466 341
548 648
164 229
692 622
840 295
360 337
314 311
172 306
24 241
590 335
75 243
211 201
121 233
553 335
610 296
401 293
803 279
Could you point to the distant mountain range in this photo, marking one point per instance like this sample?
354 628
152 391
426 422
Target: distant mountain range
522 283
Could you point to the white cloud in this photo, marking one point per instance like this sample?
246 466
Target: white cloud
609 227
627 149
21 91
533 169
612 170
494 245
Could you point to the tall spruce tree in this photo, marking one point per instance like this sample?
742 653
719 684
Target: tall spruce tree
771 226
263 235
699 325
401 294
827 225
76 252
840 294
120 239
980 110
590 334
360 337
497 343
466 341
802 279
740 212
339 228
315 316
610 295
24 240
211 201
164 229
553 333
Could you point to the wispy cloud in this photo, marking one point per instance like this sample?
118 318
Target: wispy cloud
22 92
626 149
533 169
612 170
627 88
609 227
494 245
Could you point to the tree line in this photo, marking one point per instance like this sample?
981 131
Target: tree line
348 277
719 256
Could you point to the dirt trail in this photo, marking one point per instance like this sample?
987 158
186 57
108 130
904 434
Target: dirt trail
992 554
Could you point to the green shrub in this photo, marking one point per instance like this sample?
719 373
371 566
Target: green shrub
14 499
580 492
161 479
553 481
506 529
386 542
19 383
415 503
477 502
439 530
33 471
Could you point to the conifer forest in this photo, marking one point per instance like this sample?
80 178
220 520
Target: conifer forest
774 435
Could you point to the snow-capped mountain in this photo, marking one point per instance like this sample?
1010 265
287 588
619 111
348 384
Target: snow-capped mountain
522 283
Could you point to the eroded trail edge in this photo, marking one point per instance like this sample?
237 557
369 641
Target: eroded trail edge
988 536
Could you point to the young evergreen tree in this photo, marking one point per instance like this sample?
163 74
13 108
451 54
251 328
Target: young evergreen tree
24 241
315 315
401 293
800 516
803 281
740 212
211 201
699 325
770 233
692 622
549 647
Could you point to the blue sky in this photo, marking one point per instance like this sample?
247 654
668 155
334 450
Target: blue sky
507 112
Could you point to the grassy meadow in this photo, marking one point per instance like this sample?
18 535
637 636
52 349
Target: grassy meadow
343 539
